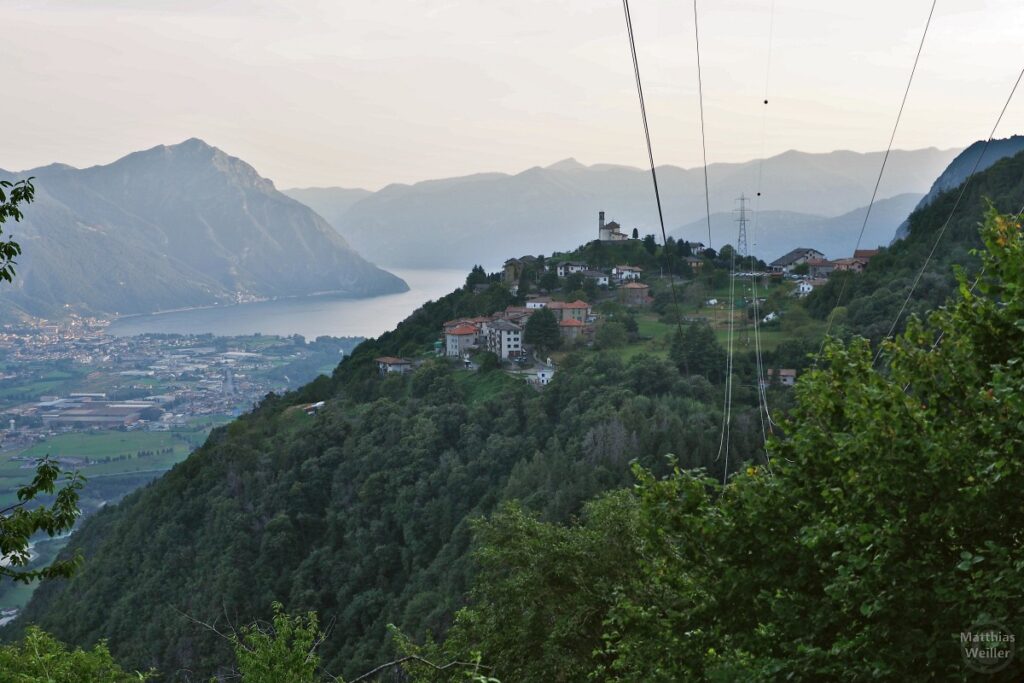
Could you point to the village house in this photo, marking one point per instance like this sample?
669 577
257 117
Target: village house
544 374
536 303
514 267
566 268
626 273
786 264
819 268
805 287
865 255
505 339
854 265
572 310
475 321
609 232
784 376
389 364
459 340
634 294
696 264
696 248
599 278
570 329
516 314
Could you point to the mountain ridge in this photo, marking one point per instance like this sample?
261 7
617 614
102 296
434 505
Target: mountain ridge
189 224
455 222
982 152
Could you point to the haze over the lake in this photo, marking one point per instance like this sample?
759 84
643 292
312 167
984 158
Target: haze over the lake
364 94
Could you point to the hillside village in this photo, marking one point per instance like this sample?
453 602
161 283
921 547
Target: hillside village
622 280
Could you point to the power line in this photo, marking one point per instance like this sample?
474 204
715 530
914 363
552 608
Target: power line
761 388
723 441
703 140
956 204
650 156
881 171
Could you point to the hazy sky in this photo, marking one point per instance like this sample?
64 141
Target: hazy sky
339 92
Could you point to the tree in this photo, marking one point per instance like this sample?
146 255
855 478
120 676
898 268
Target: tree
477 276
574 281
887 525
285 652
542 330
21 521
526 279
696 351
636 234
549 281
801 269
12 195
151 413
650 245
39 658
610 335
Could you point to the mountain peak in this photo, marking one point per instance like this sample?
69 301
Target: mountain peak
568 164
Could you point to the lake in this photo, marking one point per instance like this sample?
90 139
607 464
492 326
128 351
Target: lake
310 316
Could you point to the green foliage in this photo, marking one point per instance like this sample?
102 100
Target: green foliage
886 525
696 351
20 522
477 276
610 335
39 658
284 652
362 512
12 195
549 281
487 361
542 330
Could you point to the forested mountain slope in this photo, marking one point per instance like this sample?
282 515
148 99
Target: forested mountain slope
981 154
873 298
362 511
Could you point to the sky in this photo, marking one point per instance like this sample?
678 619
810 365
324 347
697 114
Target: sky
363 94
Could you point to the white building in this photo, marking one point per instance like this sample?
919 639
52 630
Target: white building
504 339
568 267
458 340
626 273
544 374
390 364
538 303
601 279
609 232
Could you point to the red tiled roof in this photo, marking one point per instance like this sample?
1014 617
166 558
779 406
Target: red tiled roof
463 330
865 253
391 360
635 285
570 304
571 322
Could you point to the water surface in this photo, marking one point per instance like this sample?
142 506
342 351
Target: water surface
310 316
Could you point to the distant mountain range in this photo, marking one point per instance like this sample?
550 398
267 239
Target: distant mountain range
771 234
956 173
172 227
482 218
